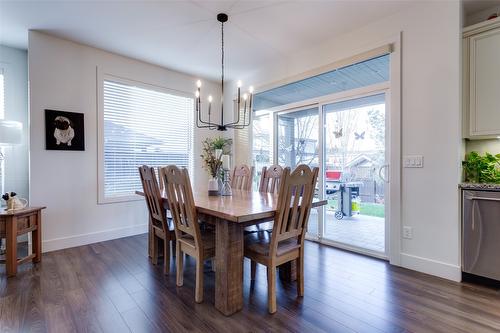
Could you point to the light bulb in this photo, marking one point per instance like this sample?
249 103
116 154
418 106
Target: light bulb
210 99
239 83
245 96
198 84
250 89
197 94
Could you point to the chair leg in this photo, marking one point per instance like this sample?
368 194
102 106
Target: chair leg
166 256
253 269
180 264
300 276
154 258
271 289
198 298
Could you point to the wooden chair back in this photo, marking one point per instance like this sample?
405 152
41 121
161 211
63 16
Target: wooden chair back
294 205
160 178
241 177
181 202
270 179
153 197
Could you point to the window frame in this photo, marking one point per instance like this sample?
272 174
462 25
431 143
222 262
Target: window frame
101 77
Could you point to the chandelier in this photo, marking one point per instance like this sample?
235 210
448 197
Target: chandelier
241 121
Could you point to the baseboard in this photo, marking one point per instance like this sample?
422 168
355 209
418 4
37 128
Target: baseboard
432 267
94 237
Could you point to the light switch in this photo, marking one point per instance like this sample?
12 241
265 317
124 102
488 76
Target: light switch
413 161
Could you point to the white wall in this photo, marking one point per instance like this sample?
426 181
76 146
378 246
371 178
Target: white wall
62 76
15 65
430 122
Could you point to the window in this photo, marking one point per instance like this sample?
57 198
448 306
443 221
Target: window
2 116
262 148
297 138
141 125
2 94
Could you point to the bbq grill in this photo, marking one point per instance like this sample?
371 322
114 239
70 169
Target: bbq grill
347 194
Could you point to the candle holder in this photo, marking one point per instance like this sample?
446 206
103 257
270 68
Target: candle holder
226 185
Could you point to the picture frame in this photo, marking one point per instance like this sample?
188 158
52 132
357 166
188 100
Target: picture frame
64 130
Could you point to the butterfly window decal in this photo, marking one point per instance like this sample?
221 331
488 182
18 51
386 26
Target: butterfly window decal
359 136
338 133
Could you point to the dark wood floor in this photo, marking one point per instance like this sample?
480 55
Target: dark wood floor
112 287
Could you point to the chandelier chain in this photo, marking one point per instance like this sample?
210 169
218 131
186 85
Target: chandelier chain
222 74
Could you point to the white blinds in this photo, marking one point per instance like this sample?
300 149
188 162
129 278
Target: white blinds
143 126
2 116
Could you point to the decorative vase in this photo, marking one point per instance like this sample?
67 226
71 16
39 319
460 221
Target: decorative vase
218 153
213 186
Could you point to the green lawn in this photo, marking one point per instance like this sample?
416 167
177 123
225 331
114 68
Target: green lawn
369 209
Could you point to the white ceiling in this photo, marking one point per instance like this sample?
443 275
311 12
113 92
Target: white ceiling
474 6
185 36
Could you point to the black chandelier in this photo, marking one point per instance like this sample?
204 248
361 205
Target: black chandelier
239 122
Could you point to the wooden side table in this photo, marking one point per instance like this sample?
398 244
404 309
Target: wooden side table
16 223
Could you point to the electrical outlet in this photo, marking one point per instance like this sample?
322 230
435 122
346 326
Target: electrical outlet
407 232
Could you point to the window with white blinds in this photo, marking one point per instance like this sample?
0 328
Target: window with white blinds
2 115
142 126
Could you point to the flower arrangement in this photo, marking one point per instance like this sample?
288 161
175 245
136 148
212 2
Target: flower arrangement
212 162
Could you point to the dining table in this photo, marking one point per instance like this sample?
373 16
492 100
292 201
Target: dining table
231 215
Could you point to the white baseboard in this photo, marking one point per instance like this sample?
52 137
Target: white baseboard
432 267
94 237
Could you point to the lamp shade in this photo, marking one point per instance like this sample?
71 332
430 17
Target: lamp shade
11 133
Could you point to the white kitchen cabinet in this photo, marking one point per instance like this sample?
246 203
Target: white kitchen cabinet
481 74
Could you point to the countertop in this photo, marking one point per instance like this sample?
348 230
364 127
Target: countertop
479 186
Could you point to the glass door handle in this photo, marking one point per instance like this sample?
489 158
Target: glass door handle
383 169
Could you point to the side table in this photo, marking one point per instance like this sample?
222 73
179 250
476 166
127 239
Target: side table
16 223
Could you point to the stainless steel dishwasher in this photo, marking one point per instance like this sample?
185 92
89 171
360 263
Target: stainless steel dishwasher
481 233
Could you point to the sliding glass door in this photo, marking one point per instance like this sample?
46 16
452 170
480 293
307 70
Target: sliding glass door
297 142
354 169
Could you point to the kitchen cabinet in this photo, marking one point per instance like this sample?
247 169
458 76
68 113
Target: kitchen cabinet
481 85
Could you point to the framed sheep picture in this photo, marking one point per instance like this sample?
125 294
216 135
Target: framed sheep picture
64 130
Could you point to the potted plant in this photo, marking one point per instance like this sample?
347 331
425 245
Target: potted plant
481 169
212 151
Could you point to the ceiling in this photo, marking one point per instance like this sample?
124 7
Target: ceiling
474 6
354 76
185 36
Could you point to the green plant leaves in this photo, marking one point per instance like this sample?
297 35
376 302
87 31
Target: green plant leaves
482 169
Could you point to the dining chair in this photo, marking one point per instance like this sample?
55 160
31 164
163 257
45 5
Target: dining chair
160 181
160 226
286 242
269 183
270 179
191 239
241 177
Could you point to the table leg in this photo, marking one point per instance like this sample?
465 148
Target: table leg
11 246
288 271
228 267
37 238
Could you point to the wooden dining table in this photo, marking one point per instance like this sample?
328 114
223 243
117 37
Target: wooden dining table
230 215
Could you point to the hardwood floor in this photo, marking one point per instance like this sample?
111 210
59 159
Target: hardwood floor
112 287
